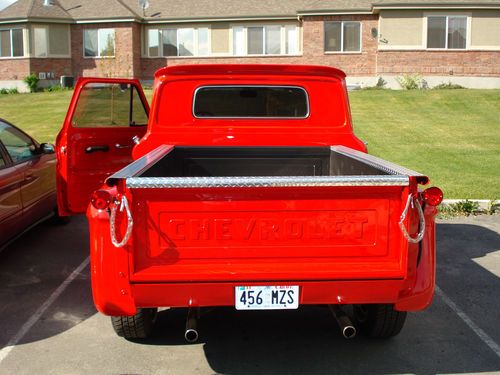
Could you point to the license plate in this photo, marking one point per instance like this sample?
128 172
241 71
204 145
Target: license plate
266 297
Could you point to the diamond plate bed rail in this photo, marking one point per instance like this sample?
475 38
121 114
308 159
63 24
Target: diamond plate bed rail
380 164
251 182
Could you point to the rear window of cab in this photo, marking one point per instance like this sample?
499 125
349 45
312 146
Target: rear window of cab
290 102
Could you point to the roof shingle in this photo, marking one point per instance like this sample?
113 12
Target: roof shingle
204 9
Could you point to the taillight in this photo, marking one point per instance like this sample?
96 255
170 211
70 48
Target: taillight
101 199
433 196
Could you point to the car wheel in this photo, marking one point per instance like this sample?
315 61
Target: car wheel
379 320
138 326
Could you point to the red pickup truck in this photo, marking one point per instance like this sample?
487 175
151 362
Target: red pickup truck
244 186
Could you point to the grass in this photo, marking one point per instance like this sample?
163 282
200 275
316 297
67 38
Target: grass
451 135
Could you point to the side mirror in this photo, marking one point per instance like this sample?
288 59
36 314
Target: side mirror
47 148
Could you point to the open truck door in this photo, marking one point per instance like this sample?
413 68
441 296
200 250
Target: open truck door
106 117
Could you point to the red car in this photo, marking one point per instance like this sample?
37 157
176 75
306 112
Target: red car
27 182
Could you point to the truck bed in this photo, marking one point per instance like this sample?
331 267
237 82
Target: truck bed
177 167
269 213
257 161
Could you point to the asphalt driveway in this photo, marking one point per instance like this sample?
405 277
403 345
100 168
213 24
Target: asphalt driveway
48 324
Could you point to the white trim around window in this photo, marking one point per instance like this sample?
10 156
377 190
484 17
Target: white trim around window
468 23
11 42
288 43
46 38
342 30
98 43
199 45
289 40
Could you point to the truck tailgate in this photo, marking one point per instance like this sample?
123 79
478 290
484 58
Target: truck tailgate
262 233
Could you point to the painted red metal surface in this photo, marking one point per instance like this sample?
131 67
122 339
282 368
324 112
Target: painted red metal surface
193 246
80 173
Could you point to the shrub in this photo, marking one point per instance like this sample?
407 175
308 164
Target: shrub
9 91
55 88
493 208
410 81
380 85
466 207
448 86
32 82
461 208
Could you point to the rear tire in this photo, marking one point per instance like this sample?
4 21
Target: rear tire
379 321
138 326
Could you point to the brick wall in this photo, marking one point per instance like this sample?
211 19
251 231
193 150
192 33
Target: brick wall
354 64
122 65
458 63
128 61
60 67
363 63
14 69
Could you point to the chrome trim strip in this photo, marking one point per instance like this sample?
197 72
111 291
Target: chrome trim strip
378 163
250 117
258 182
140 165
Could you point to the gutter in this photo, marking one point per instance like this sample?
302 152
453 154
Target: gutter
66 20
218 19
326 12
419 6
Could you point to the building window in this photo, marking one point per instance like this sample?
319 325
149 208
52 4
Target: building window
50 41
178 42
99 42
265 40
447 32
11 43
343 36
216 41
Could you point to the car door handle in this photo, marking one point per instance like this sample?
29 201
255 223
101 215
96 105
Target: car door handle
91 149
29 178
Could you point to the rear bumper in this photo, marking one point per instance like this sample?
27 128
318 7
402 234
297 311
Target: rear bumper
223 294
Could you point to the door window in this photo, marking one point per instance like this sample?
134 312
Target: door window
19 146
2 161
109 105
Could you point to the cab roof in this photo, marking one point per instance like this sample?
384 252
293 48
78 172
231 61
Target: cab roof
250 69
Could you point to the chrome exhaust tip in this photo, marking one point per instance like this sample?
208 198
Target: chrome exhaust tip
349 332
347 329
191 333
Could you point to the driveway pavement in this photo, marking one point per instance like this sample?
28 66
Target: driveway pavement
48 324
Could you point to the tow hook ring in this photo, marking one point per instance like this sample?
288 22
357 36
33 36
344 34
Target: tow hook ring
413 202
122 204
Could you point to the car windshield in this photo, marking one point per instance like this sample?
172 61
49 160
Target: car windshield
19 146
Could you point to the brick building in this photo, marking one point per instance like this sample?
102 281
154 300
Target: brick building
444 41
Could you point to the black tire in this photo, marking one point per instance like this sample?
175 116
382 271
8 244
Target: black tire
379 321
138 326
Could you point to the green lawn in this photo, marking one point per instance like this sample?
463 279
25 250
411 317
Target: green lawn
451 135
